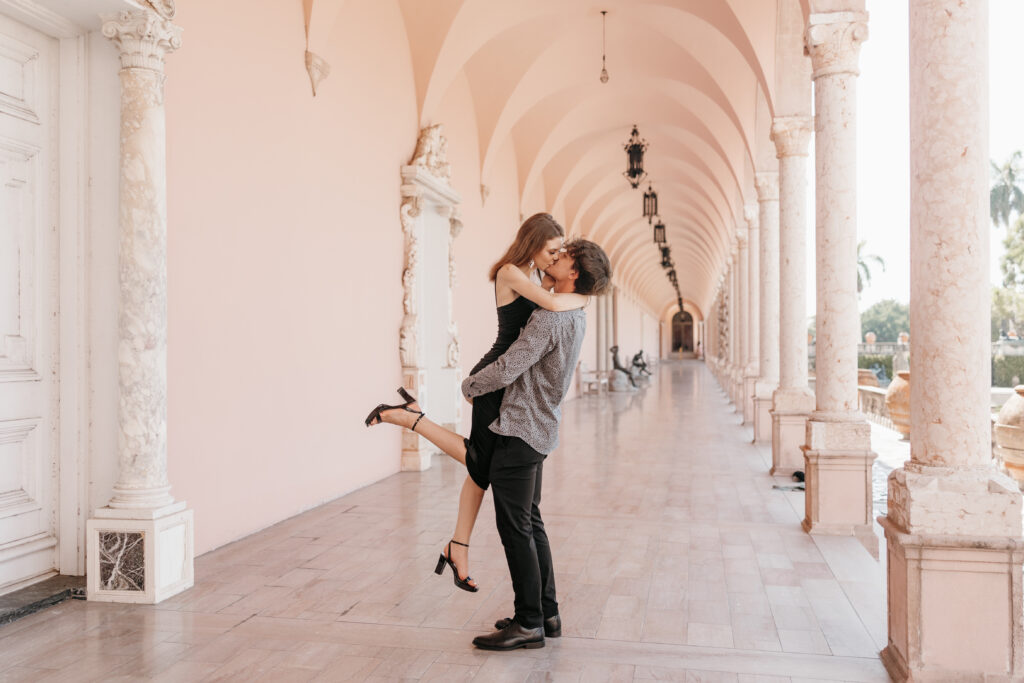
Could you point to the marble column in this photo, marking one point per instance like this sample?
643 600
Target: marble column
767 184
753 302
837 452
140 544
609 327
733 329
742 330
953 529
793 401
599 357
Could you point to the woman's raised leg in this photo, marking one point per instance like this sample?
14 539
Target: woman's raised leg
448 441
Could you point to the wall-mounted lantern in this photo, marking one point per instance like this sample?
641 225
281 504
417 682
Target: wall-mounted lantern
635 149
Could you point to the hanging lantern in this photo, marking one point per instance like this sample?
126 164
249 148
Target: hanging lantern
635 159
604 71
650 204
659 233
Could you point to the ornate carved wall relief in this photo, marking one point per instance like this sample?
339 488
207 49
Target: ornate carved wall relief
431 222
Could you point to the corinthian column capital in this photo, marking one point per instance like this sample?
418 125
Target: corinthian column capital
767 184
833 42
741 238
143 37
792 135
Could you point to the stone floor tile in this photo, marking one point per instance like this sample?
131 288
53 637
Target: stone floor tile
710 635
811 642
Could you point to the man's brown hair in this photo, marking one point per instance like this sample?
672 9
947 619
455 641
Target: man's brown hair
593 270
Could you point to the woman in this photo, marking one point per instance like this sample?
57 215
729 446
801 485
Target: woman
517 294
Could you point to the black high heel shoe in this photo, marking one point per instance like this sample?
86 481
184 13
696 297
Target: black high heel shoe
409 399
445 558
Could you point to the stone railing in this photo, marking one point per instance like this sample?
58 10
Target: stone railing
872 404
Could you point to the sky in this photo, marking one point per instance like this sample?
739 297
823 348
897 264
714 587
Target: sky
883 156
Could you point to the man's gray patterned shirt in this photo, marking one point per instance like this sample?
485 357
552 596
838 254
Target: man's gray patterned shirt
537 369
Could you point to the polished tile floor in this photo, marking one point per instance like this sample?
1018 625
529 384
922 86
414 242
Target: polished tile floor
676 560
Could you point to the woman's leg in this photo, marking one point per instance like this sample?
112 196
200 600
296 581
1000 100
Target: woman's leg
469 507
448 441
471 495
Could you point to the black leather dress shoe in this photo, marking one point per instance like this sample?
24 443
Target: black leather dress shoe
511 637
552 625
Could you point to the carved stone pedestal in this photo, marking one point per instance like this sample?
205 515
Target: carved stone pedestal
141 556
790 409
763 412
837 472
955 595
749 386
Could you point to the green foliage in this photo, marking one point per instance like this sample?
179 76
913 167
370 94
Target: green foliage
1007 311
1006 197
863 269
1005 368
1006 205
870 360
886 319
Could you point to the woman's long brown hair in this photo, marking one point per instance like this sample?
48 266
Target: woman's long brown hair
532 236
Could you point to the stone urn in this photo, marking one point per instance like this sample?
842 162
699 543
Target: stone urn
897 402
866 378
1009 435
870 338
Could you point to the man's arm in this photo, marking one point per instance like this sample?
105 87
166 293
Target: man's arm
535 341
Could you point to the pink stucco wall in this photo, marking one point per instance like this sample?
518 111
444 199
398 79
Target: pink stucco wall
285 256
284 260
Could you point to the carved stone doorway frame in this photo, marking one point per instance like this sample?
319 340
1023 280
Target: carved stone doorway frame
427 193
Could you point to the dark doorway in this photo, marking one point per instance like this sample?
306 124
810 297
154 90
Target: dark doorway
682 332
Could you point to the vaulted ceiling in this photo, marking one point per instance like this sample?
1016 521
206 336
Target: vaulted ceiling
701 78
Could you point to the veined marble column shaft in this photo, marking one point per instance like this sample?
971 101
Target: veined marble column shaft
793 401
953 532
838 453
751 322
144 39
767 184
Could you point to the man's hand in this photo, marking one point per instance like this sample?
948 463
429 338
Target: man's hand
468 400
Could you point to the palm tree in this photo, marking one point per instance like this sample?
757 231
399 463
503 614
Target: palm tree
1006 197
863 270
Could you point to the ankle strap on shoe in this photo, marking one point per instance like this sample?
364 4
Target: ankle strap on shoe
464 545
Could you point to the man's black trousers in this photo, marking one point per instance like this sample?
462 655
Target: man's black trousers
516 471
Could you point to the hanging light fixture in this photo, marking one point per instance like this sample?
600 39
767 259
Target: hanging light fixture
604 71
659 232
666 258
635 149
650 204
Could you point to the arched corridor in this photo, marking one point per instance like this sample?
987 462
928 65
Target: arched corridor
675 560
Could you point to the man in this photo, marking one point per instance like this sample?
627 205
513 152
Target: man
537 369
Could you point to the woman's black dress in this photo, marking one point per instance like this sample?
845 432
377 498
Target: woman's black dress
512 318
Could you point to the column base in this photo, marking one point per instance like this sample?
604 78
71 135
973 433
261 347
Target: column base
955 607
790 410
837 472
762 412
139 556
749 386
